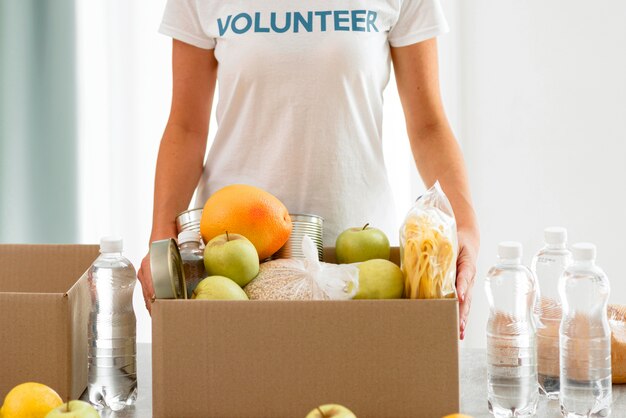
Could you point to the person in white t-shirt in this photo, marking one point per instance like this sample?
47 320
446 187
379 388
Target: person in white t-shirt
299 112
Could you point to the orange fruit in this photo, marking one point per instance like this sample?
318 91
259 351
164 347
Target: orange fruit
249 211
29 400
457 416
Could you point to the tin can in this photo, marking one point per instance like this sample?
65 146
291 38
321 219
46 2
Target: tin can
189 220
303 224
168 277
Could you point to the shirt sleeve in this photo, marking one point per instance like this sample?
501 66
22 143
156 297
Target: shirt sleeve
418 20
181 21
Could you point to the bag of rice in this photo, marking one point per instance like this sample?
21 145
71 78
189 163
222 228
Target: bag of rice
307 279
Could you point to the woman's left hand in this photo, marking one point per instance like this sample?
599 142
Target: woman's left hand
469 243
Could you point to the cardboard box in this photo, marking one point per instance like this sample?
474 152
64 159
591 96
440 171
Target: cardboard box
380 358
44 309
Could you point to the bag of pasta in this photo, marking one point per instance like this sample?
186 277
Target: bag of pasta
429 247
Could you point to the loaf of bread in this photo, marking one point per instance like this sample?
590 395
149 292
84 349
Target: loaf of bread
617 321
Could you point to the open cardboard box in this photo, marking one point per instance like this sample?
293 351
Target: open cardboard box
44 308
380 358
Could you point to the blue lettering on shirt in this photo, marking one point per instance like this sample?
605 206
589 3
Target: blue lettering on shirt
323 15
371 20
356 20
257 23
246 26
223 26
339 20
275 28
298 20
312 21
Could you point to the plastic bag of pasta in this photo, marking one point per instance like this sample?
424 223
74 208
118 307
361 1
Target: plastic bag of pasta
429 247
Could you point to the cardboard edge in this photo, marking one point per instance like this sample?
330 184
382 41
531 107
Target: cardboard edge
157 342
77 307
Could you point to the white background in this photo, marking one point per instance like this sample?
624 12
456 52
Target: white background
535 91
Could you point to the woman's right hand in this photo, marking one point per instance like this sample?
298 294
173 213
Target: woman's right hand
145 278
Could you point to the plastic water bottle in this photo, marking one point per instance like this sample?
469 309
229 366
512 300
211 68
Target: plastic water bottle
548 266
511 352
585 337
192 257
112 362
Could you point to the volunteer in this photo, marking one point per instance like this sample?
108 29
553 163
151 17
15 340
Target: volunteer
299 112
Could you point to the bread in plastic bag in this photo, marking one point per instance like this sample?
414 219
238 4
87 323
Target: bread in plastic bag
429 247
617 322
304 279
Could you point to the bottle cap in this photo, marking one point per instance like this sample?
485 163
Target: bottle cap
555 235
510 250
584 251
189 220
188 236
111 244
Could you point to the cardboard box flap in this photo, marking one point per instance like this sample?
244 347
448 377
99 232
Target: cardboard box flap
381 358
32 336
79 305
43 268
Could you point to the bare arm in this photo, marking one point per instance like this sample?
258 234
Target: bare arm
181 153
436 152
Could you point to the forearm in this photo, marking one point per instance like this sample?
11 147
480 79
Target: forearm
439 157
178 169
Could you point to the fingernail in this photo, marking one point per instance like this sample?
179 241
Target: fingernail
463 325
462 296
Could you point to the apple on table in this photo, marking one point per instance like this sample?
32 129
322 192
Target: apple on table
361 244
74 409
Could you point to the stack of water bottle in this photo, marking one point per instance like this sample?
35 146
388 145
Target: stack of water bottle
548 331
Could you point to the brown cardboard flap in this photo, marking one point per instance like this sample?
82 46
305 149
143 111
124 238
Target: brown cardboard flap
382 358
79 304
32 336
43 268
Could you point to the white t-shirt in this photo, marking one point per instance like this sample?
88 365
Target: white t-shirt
300 104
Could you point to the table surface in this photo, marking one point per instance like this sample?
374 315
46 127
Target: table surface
473 389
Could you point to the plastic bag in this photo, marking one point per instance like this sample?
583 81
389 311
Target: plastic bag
429 247
617 322
307 279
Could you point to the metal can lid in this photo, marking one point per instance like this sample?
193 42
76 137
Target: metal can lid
306 217
186 217
168 277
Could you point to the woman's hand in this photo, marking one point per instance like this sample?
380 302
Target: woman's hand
145 278
469 243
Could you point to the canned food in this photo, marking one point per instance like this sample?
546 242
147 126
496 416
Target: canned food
168 277
303 224
189 220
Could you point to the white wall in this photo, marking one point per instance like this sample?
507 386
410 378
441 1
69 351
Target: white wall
124 95
544 128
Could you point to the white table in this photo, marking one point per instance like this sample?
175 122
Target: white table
473 389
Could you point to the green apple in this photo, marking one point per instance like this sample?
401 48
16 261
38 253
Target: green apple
232 256
380 279
331 411
361 244
218 288
74 409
